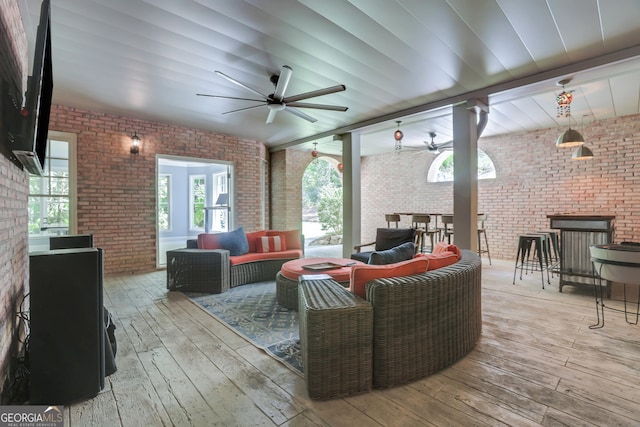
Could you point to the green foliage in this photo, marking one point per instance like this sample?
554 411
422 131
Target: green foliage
322 188
486 168
163 202
319 174
330 209
199 197
48 202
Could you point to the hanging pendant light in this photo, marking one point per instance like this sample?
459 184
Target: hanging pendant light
570 137
397 135
314 153
582 153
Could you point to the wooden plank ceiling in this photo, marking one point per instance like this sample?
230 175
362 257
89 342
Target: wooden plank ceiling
148 59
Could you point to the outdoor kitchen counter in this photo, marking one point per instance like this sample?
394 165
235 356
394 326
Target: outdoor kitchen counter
577 233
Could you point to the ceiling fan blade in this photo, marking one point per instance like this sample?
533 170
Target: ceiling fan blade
314 93
272 116
283 82
242 109
234 81
301 114
317 106
229 97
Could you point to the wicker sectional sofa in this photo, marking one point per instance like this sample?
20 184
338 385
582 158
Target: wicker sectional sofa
215 270
406 329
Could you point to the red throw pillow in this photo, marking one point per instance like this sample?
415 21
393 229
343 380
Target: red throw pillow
441 259
291 237
267 244
361 274
252 237
209 241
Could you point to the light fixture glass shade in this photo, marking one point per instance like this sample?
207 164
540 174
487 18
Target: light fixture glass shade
135 144
582 153
570 138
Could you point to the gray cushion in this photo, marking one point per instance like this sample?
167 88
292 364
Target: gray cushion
402 252
387 238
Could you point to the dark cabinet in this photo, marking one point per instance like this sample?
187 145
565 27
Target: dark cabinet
67 341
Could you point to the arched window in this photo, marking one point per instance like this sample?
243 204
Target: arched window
441 169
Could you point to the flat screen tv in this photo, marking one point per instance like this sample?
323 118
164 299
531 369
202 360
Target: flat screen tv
31 149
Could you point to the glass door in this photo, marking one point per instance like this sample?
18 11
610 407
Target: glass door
193 196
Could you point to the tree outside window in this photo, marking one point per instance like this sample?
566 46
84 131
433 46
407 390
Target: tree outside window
48 205
441 169
322 196
164 219
197 201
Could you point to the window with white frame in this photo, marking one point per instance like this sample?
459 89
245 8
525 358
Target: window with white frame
51 204
164 202
221 199
441 169
197 200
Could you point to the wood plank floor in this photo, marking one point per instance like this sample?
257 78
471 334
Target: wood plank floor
537 363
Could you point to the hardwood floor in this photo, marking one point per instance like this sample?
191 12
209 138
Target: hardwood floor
537 363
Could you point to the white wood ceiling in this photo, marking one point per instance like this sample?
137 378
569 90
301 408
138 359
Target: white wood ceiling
147 59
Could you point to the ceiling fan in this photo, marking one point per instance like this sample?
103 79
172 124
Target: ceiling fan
277 101
434 148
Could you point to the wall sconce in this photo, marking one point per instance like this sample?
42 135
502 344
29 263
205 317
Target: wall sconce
135 144
340 167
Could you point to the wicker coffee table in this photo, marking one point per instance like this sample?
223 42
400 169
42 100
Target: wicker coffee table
287 279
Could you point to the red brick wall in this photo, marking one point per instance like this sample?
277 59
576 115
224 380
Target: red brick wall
534 179
14 190
116 190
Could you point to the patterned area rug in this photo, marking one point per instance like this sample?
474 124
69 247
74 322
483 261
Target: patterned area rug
252 311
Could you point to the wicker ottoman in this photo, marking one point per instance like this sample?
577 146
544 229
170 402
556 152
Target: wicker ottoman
336 335
287 278
198 270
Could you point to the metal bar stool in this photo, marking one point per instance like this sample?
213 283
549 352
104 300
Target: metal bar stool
553 249
523 260
483 231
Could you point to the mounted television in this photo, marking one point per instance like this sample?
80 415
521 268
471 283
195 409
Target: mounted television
31 147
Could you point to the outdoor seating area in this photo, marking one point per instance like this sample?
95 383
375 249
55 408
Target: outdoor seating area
216 262
383 328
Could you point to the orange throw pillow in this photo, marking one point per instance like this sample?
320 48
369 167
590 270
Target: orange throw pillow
446 247
252 238
441 259
209 241
291 237
361 274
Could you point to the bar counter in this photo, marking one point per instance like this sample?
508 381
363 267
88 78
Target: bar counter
577 233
